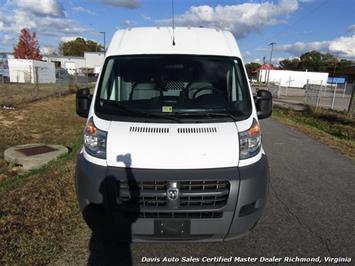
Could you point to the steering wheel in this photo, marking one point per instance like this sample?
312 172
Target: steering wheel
204 89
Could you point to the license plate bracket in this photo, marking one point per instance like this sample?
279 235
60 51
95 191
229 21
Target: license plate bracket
172 227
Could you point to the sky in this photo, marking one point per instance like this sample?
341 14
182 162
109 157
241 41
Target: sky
296 26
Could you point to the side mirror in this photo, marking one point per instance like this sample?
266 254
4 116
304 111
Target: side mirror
263 103
83 102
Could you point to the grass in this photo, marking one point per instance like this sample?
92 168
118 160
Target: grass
335 129
38 210
51 121
12 94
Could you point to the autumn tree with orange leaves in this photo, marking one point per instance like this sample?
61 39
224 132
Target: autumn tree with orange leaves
27 46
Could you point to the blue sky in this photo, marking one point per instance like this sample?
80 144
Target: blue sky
296 26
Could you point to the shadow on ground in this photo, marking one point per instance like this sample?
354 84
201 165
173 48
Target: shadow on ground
111 221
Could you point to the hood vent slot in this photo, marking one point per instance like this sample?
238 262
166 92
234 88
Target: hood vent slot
159 130
197 130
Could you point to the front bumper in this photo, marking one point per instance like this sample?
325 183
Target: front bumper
98 193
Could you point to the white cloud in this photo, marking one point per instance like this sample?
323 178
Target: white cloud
241 19
246 53
42 8
7 39
47 50
46 18
128 22
43 25
83 10
298 48
351 28
70 38
343 46
123 3
276 60
146 17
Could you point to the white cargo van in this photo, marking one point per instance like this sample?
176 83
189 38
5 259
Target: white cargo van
172 144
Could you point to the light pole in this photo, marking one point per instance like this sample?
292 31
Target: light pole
272 49
104 33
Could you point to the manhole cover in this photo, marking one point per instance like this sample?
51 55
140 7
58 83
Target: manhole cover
36 150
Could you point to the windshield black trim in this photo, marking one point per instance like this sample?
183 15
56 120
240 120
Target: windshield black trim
228 117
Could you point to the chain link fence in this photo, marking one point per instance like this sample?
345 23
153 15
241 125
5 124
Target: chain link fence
12 94
336 96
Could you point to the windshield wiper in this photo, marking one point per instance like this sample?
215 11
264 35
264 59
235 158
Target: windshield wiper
139 113
206 114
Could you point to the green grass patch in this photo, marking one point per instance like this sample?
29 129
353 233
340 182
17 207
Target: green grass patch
13 94
12 182
333 128
38 212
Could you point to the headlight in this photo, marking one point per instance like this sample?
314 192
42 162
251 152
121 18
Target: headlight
95 140
250 141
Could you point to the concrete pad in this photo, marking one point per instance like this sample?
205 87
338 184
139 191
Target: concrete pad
33 156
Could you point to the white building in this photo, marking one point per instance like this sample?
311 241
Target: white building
94 60
289 78
31 71
74 64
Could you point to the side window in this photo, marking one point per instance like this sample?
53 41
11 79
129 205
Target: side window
109 83
238 81
231 81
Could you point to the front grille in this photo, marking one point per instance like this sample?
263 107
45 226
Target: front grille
206 185
197 199
204 193
181 215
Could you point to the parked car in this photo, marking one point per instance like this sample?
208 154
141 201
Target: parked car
172 145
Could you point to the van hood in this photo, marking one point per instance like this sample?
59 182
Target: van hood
172 146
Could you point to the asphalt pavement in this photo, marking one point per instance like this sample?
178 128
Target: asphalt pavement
310 210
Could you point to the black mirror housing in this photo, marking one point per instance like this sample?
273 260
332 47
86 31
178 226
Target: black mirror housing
263 103
83 102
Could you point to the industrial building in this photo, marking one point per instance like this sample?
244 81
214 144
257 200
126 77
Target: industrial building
31 71
90 63
289 78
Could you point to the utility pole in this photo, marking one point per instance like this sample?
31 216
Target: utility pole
272 49
335 67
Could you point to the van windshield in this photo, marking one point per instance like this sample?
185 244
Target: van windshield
180 86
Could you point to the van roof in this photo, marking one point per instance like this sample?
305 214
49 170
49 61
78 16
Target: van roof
188 40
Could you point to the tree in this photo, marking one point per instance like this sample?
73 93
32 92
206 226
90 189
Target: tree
343 64
78 46
317 61
290 64
27 46
251 67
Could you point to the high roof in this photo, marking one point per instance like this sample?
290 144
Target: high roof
155 40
